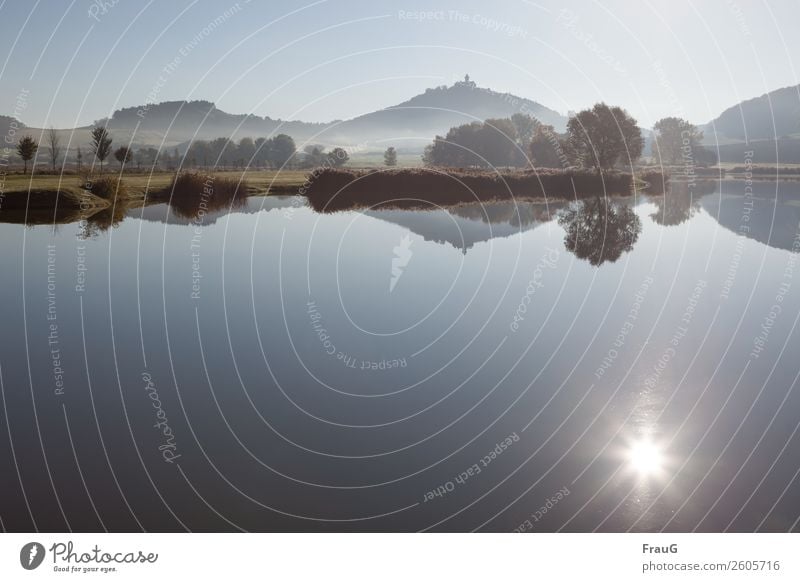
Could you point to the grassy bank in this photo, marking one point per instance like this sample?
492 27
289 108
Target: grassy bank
67 191
330 190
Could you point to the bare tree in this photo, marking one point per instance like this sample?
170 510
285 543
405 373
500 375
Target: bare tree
54 145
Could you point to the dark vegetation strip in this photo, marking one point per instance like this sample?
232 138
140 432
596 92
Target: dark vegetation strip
330 190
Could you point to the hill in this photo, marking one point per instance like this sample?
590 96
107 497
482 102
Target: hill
770 116
182 121
7 123
437 110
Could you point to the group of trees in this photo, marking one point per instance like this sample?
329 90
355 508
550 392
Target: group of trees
316 156
275 152
27 148
100 146
491 143
601 138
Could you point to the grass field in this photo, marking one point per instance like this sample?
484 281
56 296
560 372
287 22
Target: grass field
139 183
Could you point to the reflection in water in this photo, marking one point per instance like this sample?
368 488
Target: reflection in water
465 225
676 206
196 208
599 230
680 202
102 220
773 211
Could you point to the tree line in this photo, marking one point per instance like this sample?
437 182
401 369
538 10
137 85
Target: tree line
100 146
275 152
278 152
600 138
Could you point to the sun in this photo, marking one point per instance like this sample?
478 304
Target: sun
645 458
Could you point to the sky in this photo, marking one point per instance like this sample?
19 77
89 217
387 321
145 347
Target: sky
70 62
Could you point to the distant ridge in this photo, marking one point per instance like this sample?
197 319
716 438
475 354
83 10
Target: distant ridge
423 116
770 116
187 120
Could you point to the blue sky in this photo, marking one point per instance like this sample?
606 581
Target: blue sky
321 60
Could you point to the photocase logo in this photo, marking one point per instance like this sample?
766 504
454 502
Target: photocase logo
31 555
402 256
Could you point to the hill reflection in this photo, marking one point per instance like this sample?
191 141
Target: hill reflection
598 230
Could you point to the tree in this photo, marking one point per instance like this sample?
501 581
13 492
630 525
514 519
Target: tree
123 156
546 149
338 157
676 141
262 150
26 148
526 127
280 150
54 145
602 136
390 157
218 149
246 151
199 152
101 144
147 156
705 156
315 156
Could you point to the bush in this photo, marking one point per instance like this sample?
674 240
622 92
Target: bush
194 184
106 187
192 192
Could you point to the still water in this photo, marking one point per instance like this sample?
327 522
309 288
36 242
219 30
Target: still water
612 366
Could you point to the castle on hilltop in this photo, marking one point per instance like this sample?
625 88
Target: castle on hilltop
465 83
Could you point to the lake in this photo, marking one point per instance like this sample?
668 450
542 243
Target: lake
622 365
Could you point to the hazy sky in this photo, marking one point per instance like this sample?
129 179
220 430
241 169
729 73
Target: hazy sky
74 62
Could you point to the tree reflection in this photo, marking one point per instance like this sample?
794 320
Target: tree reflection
680 202
599 230
102 220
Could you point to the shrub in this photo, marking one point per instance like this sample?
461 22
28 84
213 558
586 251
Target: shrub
106 187
191 192
195 184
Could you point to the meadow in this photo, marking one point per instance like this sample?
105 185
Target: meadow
41 190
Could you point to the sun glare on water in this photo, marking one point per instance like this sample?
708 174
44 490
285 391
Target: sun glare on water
646 458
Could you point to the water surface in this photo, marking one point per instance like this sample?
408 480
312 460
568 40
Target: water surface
616 365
